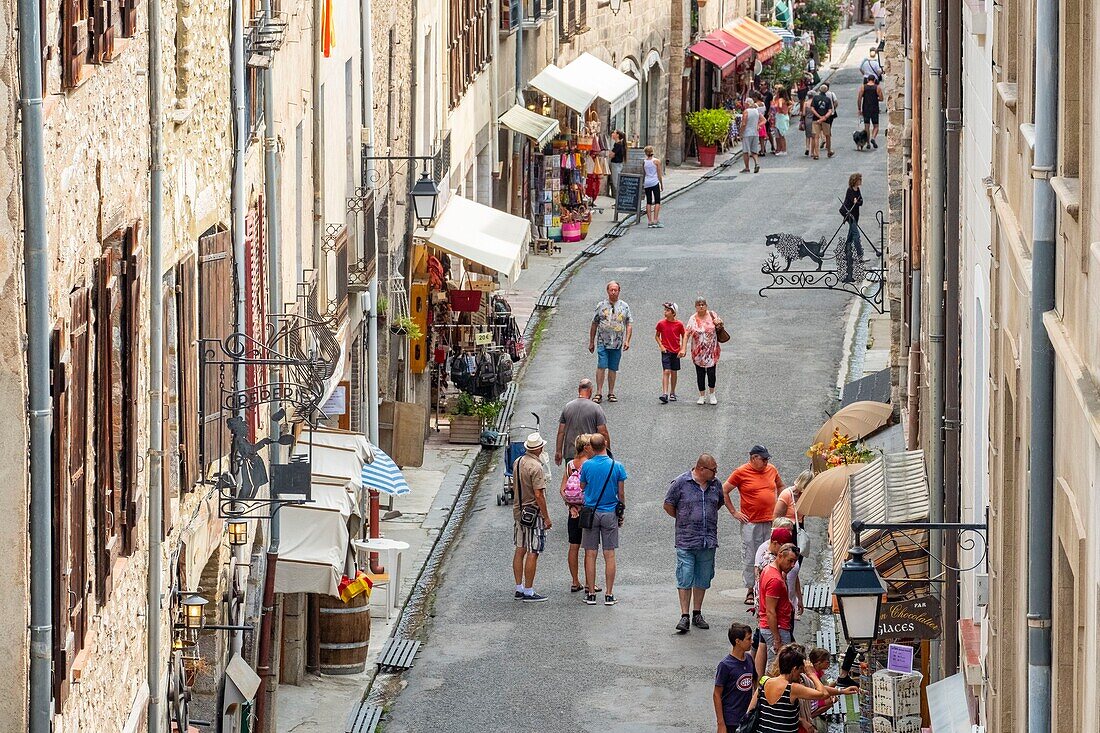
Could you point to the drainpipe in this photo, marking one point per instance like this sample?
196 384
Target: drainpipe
156 722
916 190
517 139
936 184
952 361
36 275
1040 536
317 161
240 147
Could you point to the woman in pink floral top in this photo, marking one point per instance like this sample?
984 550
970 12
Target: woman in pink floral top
705 350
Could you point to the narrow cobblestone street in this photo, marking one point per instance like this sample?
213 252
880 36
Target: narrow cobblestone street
490 664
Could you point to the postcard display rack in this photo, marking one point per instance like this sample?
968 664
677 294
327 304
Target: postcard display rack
557 185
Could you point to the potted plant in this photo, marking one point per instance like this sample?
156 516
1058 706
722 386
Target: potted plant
842 450
406 326
710 127
382 309
466 420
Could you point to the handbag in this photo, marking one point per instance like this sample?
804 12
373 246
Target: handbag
528 513
720 330
587 515
751 722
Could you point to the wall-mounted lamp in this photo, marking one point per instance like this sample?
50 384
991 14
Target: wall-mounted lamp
238 532
194 607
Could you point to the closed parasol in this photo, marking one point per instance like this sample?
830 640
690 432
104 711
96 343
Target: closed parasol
825 490
857 420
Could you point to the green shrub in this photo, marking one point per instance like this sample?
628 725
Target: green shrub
787 67
709 125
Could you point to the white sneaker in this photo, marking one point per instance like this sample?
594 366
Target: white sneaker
713 399
701 401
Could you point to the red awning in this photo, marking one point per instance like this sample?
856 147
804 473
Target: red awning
730 44
725 62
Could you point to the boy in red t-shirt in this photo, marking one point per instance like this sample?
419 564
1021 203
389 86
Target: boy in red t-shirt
671 337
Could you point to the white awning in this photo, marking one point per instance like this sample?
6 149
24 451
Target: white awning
611 85
315 539
483 235
532 124
573 93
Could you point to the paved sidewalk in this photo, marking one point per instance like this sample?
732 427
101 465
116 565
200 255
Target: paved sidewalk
322 703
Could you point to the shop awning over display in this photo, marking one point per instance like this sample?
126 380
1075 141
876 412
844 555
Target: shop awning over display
763 41
610 84
723 50
532 124
554 83
483 235
315 538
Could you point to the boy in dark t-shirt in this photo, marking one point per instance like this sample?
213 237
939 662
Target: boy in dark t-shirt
735 679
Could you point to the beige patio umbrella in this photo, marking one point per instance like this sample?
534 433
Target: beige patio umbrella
857 420
825 490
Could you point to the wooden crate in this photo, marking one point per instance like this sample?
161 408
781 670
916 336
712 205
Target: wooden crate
465 429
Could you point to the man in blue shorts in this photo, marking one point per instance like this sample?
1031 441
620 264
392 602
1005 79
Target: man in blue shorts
609 336
693 500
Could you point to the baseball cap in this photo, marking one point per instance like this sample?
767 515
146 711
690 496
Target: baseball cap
759 450
782 535
672 306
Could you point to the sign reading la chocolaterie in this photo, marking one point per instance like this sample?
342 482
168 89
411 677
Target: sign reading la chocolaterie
914 619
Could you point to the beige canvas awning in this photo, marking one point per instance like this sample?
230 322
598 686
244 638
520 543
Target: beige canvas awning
610 84
573 93
483 235
532 124
315 539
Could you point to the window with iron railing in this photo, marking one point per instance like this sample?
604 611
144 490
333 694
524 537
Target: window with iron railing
532 12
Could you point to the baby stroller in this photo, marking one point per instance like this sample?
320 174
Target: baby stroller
517 436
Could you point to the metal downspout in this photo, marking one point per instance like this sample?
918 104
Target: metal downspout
369 183
1040 534
916 209
517 139
156 720
936 187
952 370
39 407
240 148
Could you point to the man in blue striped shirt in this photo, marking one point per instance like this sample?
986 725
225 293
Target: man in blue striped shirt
693 500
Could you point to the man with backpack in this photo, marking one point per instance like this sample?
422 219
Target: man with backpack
603 480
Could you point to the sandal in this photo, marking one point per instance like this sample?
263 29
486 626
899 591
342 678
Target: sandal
750 599
611 397
744 170
757 169
579 588
598 399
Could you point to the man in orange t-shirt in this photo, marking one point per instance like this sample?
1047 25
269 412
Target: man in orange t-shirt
758 484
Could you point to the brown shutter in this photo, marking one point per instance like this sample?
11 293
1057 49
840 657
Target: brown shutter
74 41
105 25
188 369
108 423
60 556
255 296
215 322
77 459
130 353
128 11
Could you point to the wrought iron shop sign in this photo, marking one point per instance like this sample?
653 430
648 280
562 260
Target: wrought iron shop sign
828 264
264 394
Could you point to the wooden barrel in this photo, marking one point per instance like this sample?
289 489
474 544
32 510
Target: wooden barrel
344 634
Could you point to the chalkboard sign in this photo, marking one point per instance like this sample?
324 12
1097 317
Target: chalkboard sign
634 158
628 199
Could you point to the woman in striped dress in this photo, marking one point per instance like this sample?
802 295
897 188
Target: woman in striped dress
778 696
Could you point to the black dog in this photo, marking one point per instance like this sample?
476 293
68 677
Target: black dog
859 137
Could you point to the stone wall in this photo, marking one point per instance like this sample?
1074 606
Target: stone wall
14 601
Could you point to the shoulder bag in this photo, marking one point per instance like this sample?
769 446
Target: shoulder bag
587 516
720 331
751 722
528 513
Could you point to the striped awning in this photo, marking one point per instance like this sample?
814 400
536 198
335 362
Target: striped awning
723 50
763 41
384 475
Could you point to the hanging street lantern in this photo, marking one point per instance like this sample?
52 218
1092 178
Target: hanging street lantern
859 591
616 6
238 532
425 197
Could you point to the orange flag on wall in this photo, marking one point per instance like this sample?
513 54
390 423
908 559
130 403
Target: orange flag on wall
328 29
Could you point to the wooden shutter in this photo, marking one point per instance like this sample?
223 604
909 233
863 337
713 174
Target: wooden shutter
60 511
216 322
74 41
108 422
105 25
77 431
188 370
128 11
130 360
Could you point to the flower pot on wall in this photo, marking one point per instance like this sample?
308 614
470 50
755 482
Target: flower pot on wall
465 429
707 154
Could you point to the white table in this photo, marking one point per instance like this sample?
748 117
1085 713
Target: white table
392 550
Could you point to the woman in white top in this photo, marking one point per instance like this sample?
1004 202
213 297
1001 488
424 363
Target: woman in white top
653 183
